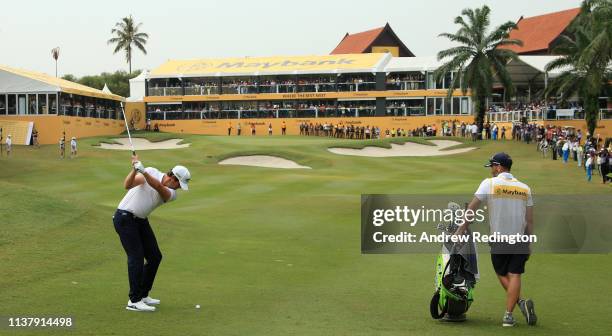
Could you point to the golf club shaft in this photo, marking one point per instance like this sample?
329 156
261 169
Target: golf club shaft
127 128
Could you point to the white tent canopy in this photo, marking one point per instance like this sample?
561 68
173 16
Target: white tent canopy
105 89
13 83
137 86
530 69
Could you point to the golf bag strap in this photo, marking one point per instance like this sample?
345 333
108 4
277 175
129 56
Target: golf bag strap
434 304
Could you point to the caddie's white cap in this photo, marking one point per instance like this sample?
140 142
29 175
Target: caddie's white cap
183 176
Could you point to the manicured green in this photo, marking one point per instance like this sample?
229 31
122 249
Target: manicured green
267 251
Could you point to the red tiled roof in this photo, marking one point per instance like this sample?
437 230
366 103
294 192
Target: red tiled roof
357 43
537 32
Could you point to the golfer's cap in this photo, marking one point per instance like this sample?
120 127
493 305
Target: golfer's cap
183 176
501 159
9 135
73 138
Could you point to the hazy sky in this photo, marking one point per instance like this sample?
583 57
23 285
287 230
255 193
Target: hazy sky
186 29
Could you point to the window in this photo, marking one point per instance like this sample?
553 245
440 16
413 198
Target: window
12 104
201 86
435 106
357 108
405 107
42 104
357 82
405 81
3 104
53 103
241 109
277 84
317 83
239 85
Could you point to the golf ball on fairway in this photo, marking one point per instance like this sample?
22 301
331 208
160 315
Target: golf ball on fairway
197 306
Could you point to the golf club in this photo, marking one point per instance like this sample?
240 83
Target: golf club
128 129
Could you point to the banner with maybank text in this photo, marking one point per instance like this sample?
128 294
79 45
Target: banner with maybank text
422 223
281 64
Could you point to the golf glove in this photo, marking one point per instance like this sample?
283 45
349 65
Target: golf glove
138 166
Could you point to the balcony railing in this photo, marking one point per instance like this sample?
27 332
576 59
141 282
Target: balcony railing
265 112
405 111
201 90
166 91
89 112
544 114
406 85
361 86
269 88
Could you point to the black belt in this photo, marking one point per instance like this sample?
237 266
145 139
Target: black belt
126 213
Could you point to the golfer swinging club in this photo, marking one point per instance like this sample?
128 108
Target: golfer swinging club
510 208
147 188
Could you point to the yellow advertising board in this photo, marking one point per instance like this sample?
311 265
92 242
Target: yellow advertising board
275 64
220 126
394 51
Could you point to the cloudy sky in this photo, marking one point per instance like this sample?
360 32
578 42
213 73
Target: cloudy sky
187 29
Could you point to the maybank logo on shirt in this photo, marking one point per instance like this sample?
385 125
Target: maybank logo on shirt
505 191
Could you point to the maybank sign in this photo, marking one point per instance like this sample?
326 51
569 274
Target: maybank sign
271 65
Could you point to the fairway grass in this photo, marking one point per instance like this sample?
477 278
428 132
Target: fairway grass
268 251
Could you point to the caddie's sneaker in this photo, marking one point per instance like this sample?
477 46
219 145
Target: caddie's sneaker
139 306
528 310
508 320
150 301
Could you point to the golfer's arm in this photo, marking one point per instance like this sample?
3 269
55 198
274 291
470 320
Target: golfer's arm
133 180
160 188
529 220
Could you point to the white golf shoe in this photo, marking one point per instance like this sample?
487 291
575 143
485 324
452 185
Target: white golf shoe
139 306
150 301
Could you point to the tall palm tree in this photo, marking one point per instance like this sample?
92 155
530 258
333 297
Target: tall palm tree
597 16
479 59
586 52
126 35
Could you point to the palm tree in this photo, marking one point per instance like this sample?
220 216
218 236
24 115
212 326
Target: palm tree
597 16
586 52
127 35
479 59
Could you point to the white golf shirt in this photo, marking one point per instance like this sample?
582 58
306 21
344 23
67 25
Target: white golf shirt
143 199
73 144
9 142
507 200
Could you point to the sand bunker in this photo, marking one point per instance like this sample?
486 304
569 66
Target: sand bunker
262 161
143 144
407 149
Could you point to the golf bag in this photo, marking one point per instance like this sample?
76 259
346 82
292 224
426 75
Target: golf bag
456 276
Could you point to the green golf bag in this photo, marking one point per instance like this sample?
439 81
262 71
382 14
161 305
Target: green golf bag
456 275
454 289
